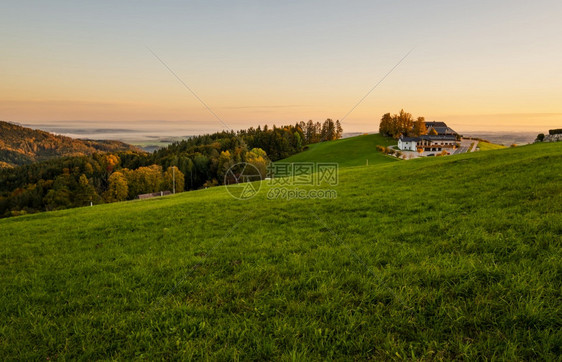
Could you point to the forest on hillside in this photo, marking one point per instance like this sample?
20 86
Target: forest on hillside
21 146
197 162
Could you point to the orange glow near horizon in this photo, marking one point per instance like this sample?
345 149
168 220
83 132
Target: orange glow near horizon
125 114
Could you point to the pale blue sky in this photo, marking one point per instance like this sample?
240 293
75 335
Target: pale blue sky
477 65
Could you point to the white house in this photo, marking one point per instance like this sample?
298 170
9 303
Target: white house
428 143
408 143
441 138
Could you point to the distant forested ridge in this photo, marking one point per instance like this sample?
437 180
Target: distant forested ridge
21 145
197 162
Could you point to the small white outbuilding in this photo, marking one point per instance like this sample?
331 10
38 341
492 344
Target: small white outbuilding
407 143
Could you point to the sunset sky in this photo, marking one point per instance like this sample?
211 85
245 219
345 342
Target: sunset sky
478 65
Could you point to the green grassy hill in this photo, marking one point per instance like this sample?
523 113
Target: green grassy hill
438 258
353 151
487 146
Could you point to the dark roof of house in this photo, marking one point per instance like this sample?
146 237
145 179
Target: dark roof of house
444 130
442 137
409 139
435 124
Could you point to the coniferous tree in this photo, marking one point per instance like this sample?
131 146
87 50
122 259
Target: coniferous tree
85 194
339 130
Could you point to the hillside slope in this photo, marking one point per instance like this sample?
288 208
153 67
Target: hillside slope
352 151
21 145
487 146
438 258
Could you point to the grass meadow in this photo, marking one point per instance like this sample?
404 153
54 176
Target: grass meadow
487 146
443 258
353 151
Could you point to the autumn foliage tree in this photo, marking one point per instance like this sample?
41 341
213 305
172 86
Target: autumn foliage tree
258 158
419 128
143 180
168 181
118 189
401 124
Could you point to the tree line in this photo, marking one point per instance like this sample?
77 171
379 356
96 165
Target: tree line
196 162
